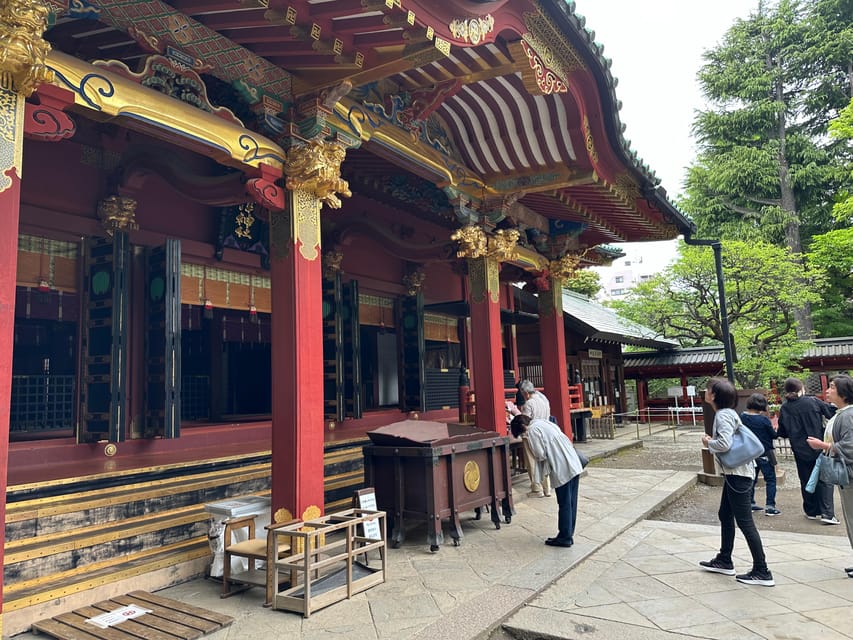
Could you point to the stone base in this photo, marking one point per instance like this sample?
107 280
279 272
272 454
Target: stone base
715 480
712 479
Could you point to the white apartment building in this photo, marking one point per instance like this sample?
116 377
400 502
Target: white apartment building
641 261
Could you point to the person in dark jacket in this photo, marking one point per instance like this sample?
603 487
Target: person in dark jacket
801 417
755 420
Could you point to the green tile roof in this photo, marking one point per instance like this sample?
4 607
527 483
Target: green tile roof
597 322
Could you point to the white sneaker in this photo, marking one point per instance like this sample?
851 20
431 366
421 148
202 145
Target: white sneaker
547 494
832 520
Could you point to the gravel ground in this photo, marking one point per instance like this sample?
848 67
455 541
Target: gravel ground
700 504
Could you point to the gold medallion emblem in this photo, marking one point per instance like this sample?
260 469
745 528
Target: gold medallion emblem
471 476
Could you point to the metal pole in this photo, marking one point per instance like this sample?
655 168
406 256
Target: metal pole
724 315
717 246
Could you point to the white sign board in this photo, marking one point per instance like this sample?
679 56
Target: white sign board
106 620
372 530
676 392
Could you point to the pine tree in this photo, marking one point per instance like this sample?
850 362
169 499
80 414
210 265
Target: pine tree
766 168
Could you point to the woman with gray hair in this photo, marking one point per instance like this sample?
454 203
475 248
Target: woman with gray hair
838 440
535 407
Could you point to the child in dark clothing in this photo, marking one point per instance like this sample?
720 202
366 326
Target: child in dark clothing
760 425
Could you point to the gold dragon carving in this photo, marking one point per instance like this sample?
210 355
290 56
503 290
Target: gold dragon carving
23 53
413 281
316 167
332 264
474 243
565 266
117 214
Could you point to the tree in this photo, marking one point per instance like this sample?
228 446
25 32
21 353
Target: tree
584 281
833 253
766 169
763 288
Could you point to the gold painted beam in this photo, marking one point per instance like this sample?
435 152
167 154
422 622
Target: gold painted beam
112 96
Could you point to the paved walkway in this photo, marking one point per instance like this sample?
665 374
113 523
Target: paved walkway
626 577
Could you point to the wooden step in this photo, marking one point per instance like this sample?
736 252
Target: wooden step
65 583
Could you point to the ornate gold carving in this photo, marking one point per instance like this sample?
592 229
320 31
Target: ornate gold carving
483 277
413 281
117 213
502 245
23 53
315 167
306 232
12 109
311 512
244 220
474 243
590 143
565 266
477 279
332 264
626 188
539 77
472 30
471 476
546 36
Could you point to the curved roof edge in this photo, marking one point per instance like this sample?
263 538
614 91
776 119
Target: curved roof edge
564 11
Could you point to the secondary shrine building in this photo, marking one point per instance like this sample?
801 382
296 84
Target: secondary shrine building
238 234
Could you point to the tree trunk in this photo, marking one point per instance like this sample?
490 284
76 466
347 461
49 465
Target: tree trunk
803 315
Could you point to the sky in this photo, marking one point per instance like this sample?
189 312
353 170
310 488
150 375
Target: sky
656 49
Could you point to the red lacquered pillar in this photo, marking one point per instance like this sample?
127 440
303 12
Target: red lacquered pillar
486 361
552 341
11 148
297 342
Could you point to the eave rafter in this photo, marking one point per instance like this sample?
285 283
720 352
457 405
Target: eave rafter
578 209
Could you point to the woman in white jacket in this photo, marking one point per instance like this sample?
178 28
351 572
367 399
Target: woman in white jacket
555 458
734 503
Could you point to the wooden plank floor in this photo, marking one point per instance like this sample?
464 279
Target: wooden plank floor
169 620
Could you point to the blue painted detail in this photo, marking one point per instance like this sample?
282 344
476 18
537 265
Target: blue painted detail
107 92
83 10
566 227
251 145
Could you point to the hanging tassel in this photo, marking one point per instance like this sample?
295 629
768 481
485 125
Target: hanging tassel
253 310
207 312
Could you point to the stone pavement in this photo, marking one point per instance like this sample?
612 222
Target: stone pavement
626 577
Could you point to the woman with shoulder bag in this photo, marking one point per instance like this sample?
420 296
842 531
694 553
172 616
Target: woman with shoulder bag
838 439
737 486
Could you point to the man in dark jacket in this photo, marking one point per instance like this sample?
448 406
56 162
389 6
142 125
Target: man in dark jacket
802 416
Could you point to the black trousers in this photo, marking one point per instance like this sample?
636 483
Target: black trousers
821 502
735 507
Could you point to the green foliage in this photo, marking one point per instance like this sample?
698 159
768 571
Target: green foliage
767 168
584 281
833 253
842 129
764 287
